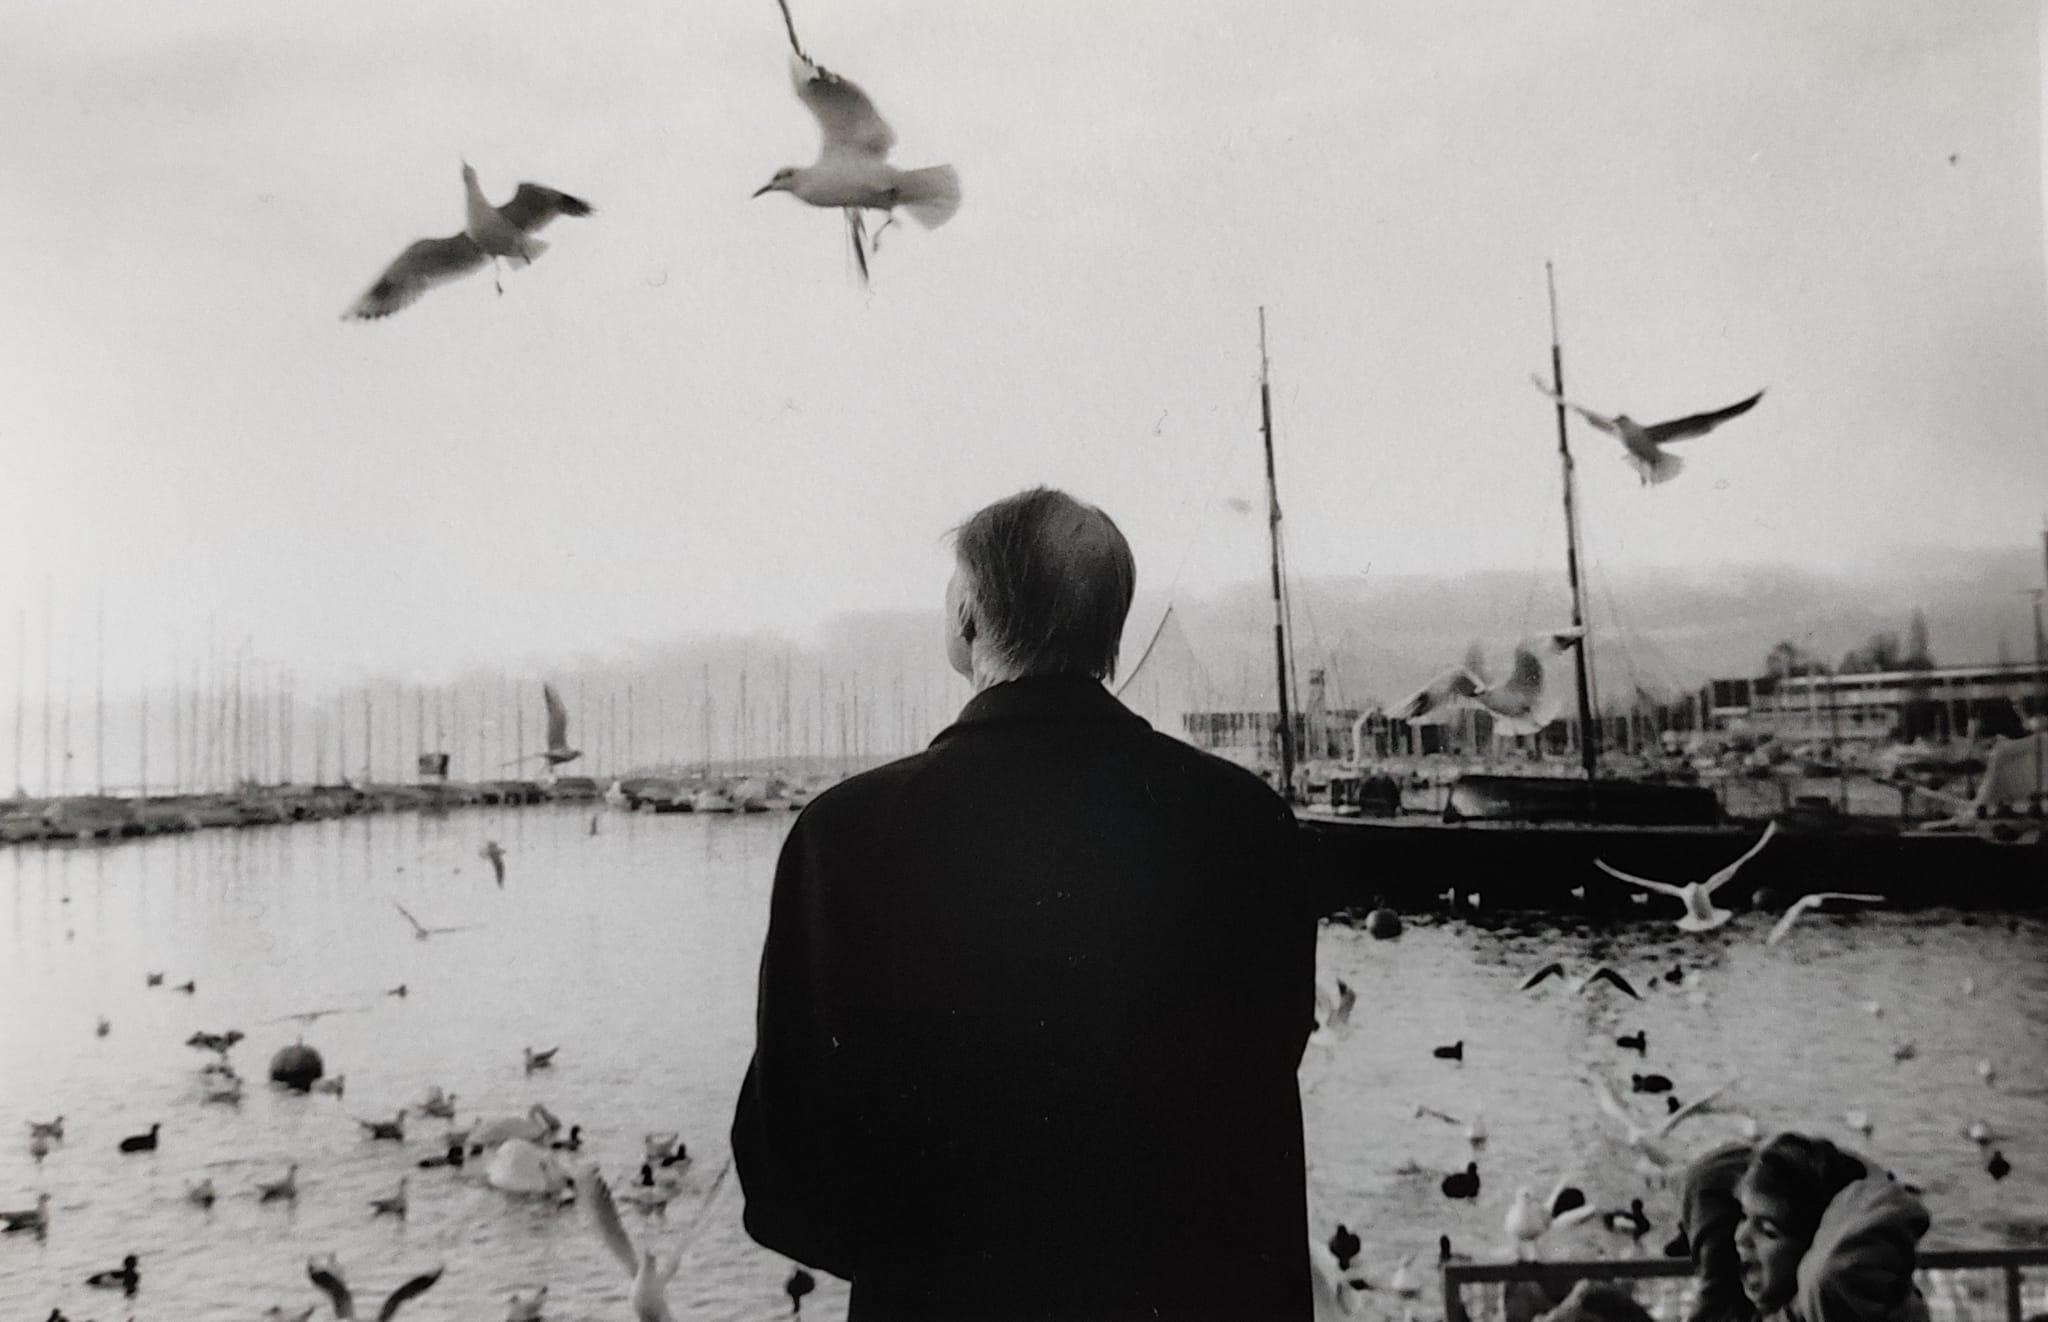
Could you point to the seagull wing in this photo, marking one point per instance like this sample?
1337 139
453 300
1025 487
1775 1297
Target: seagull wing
1691 1108
558 719
1662 888
419 268
412 1289
1792 915
595 1194
1605 974
1698 424
409 918
327 1276
1547 971
534 205
1609 1102
1450 688
846 118
1725 875
1814 901
1600 420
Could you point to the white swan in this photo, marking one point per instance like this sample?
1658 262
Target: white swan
521 1167
534 1126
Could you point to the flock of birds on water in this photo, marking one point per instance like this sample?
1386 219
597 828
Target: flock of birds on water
1337 1249
529 1156
535 1155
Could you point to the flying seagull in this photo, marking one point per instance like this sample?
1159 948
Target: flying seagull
1581 985
558 751
1700 915
1645 1139
852 170
1814 901
1521 704
422 933
650 1274
488 233
326 1274
1645 443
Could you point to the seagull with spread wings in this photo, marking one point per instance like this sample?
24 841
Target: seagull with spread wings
488 233
1643 1139
1701 914
1805 902
1523 703
421 932
1646 444
650 1274
558 751
852 171
326 1274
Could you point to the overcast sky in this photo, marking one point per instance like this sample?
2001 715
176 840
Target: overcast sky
687 417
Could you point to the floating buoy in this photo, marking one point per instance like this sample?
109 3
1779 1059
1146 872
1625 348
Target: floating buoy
1383 924
297 1066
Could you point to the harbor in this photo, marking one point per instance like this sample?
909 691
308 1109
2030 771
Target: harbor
633 952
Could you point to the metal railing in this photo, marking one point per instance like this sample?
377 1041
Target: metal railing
1943 1275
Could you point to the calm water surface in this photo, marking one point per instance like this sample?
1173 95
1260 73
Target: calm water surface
635 951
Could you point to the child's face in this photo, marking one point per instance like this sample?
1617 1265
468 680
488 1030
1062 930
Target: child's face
1769 1250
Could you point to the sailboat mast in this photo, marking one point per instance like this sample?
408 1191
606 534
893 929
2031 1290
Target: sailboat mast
1589 734
1273 532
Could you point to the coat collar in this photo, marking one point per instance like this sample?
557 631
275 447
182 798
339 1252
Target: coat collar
1042 698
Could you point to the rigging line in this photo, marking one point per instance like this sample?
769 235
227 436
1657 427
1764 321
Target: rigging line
1145 655
1222 447
790 24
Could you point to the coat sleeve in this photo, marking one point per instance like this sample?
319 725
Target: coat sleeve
789 1130
1860 1265
1298 943
1708 1211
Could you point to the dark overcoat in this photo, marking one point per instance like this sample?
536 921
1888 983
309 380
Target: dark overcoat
1032 1004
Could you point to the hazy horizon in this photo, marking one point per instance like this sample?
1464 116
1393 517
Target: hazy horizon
687 418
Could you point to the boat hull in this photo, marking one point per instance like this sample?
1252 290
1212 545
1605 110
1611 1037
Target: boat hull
1411 862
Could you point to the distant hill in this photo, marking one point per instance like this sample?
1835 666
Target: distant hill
1383 636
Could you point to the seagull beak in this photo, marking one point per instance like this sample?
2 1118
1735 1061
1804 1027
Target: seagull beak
768 187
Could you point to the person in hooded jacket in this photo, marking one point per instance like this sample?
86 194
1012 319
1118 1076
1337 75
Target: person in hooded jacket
1799 1230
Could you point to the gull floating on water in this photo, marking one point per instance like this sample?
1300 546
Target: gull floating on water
276 1313
1528 1220
494 854
488 233
540 1060
327 1276
438 1104
1521 704
1700 915
286 1189
1645 443
202 1193
34 1220
1813 901
852 170
334 1083
526 1308
650 1275
392 1206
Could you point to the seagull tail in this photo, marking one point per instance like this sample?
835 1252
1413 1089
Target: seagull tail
1659 470
931 195
533 248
